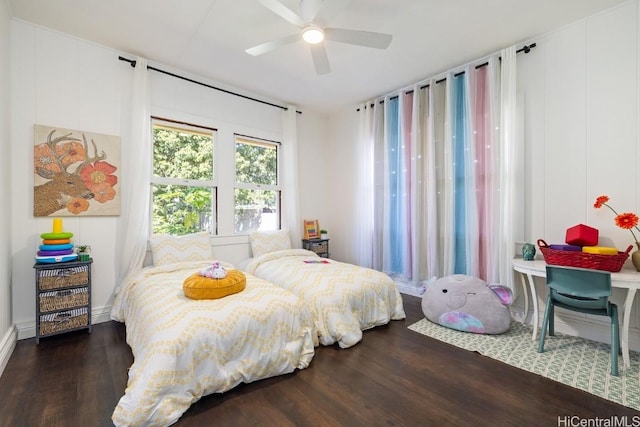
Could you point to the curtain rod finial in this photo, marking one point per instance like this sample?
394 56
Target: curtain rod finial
131 62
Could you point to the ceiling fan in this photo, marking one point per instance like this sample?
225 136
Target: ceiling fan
311 20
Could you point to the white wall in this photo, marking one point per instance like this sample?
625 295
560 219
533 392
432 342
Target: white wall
580 93
315 167
59 80
342 184
7 332
65 82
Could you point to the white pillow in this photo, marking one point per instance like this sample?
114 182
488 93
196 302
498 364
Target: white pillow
167 249
263 242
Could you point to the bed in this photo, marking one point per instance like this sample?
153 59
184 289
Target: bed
184 349
344 299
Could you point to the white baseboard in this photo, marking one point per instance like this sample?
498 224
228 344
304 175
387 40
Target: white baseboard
7 345
570 323
28 329
409 289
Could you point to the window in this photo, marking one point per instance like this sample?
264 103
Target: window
257 189
183 184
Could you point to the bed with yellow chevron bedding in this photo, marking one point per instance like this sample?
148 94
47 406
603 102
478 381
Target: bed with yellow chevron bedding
184 349
345 299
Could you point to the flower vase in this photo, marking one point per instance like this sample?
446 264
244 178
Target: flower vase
635 257
528 251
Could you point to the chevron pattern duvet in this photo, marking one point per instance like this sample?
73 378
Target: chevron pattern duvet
344 299
184 349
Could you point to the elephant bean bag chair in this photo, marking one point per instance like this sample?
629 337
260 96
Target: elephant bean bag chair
468 304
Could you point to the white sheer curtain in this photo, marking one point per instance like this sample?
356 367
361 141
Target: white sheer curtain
427 140
379 173
488 141
364 231
134 222
510 168
290 200
439 146
369 231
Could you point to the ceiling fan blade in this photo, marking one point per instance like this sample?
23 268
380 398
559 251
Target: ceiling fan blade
320 58
273 44
360 38
329 9
283 11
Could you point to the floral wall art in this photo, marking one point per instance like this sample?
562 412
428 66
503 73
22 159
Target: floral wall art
76 173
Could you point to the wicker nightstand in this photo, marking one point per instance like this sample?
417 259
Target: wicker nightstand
319 246
63 297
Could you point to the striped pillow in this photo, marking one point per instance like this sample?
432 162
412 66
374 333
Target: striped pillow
168 249
263 242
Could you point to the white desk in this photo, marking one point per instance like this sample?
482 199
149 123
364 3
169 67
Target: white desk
626 279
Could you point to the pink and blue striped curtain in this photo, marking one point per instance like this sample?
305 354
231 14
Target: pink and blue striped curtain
435 167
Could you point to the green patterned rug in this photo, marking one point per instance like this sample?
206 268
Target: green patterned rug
570 360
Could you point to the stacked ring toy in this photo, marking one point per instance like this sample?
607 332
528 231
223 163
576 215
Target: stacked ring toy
56 246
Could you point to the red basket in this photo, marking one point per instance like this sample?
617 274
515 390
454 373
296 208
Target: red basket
612 263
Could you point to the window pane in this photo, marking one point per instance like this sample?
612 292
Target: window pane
179 209
181 153
256 162
256 210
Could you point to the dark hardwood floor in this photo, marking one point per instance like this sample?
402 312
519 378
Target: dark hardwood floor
394 377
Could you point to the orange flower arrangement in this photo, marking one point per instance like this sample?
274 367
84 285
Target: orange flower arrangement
626 220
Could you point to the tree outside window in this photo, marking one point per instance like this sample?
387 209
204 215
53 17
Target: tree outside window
257 192
183 186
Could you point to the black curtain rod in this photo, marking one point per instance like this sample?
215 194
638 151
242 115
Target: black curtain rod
525 49
132 62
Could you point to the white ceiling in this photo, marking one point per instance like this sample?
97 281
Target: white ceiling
208 38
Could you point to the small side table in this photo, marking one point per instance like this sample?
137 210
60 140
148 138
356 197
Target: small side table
319 246
63 297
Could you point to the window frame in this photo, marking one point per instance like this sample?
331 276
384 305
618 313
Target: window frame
242 138
211 184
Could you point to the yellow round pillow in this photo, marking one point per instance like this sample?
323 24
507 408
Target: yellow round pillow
200 287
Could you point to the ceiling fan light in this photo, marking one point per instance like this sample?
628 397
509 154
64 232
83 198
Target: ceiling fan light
312 35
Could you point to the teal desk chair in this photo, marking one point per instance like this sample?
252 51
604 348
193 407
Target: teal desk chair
585 291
